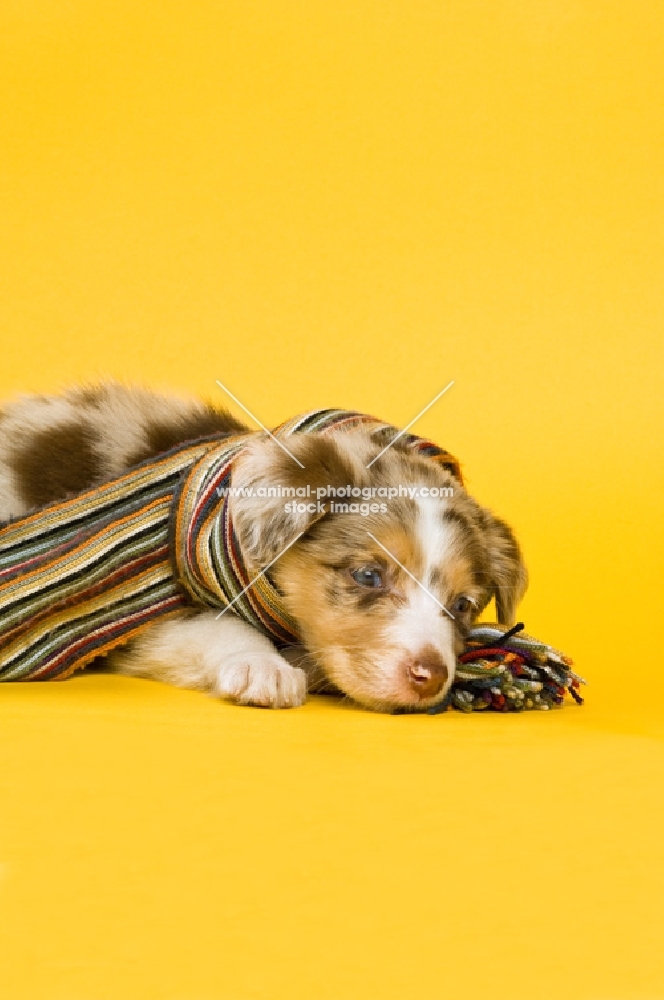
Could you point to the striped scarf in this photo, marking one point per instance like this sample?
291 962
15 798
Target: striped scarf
80 577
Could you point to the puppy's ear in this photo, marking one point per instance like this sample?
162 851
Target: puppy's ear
507 576
271 512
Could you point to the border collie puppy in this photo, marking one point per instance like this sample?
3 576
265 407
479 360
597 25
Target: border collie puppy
383 597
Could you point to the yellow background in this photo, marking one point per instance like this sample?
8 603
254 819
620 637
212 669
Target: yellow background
351 203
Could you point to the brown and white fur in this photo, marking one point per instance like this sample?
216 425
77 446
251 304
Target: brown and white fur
385 645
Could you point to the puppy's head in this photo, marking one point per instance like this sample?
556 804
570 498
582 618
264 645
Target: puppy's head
384 588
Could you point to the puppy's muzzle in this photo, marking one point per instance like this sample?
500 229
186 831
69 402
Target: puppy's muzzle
426 673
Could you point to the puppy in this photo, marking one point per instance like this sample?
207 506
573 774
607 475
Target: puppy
383 592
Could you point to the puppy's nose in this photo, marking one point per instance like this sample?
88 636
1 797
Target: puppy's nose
426 672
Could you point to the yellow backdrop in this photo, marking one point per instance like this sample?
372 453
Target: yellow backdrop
352 203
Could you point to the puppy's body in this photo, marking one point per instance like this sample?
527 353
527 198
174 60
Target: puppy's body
382 596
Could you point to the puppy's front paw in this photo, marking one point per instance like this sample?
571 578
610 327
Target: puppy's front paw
261 678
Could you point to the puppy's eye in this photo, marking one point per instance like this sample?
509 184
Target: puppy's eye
368 576
462 604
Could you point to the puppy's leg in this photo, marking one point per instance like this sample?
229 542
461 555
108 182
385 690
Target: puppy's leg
225 656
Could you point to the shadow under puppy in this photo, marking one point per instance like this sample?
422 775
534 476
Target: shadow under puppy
382 591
